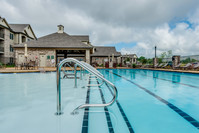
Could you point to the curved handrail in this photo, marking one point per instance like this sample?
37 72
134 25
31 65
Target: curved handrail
100 84
89 70
69 66
92 67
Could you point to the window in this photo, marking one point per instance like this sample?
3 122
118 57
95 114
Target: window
11 36
11 60
48 57
11 48
52 56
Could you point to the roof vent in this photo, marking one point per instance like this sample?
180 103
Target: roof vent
60 29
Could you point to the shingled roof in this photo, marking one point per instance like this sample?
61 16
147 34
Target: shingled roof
18 27
105 51
55 40
130 55
81 37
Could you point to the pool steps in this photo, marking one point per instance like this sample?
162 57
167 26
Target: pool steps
84 66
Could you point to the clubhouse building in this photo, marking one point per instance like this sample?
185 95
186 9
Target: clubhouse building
49 50
19 45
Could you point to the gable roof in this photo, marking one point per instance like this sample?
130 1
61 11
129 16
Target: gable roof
130 55
21 28
18 27
4 20
81 37
55 40
105 51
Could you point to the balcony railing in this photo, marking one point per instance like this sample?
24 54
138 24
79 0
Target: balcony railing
1 35
1 49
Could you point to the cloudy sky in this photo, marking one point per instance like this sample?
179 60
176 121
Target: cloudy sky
133 26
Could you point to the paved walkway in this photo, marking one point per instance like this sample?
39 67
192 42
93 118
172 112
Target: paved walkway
13 70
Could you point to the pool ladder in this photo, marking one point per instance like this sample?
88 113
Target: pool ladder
83 66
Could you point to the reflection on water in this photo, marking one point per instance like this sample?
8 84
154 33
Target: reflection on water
155 76
176 78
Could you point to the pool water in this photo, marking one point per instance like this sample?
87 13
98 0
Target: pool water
148 102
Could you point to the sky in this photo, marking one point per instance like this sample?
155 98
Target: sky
132 26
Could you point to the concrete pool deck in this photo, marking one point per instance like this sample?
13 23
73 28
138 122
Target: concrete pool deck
53 69
171 70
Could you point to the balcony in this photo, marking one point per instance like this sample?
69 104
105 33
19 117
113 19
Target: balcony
1 50
2 36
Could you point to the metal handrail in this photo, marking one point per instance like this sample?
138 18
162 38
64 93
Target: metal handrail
59 112
88 65
91 67
66 74
68 66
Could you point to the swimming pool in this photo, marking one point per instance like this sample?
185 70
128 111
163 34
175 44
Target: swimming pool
148 102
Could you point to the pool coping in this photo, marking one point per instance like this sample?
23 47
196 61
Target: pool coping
53 69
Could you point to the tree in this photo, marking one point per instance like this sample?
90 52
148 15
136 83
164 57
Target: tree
169 54
150 61
142 59
188 60
163 55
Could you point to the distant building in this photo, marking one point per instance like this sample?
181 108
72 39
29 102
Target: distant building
131 57
10 35
49 50
103 54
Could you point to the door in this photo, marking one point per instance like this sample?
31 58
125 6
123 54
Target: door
42 62
21 59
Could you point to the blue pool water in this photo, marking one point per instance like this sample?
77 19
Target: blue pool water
148 102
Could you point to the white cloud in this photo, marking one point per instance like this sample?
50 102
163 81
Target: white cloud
114 21
182 40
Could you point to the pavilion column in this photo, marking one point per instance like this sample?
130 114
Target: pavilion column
112 60
88 56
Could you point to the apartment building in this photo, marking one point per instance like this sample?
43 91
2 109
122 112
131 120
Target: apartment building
10 35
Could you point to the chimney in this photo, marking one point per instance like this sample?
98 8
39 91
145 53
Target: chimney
60 29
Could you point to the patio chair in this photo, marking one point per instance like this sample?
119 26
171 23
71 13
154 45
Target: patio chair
187 66
156 65
160 65
166 64
196 66
31 64
22 66
143 66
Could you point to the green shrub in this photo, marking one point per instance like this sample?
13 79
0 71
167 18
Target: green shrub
10 65
102 65
134 65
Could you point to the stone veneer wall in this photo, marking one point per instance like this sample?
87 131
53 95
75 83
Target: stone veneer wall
5 58
7 43
34 55
98 60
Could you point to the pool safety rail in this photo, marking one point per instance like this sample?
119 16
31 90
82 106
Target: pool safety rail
91 70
